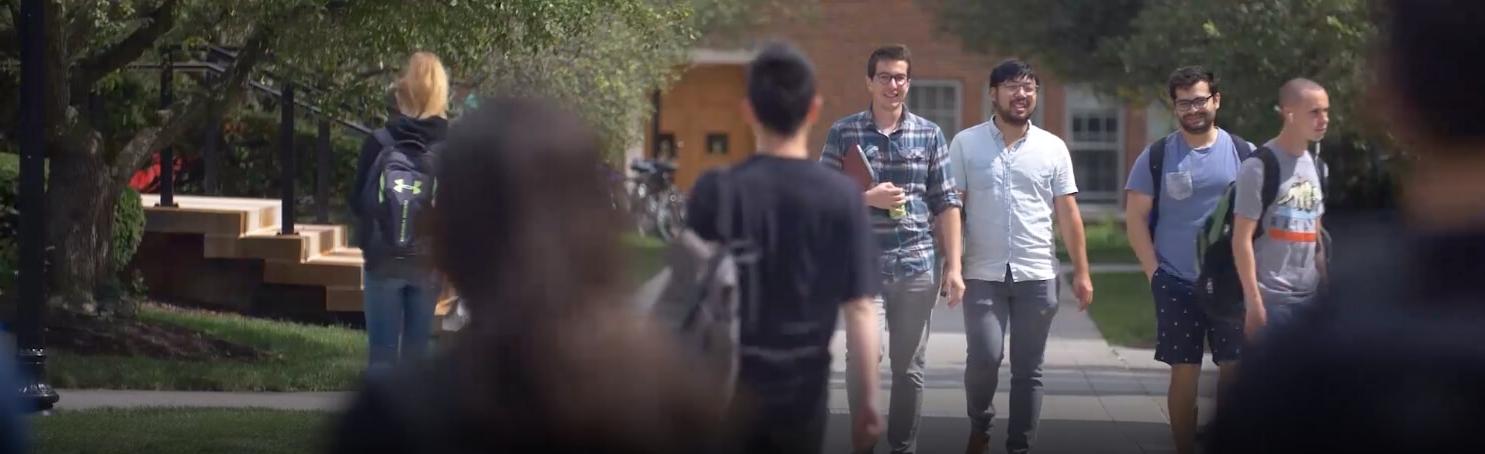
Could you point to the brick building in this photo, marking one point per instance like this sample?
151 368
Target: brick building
700 121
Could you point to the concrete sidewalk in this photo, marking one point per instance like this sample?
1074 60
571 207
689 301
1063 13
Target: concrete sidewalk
86 399
1098 398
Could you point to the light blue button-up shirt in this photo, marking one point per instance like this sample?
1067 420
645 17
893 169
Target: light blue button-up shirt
1009 195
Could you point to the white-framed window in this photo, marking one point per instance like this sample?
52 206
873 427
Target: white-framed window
1095 129
940 102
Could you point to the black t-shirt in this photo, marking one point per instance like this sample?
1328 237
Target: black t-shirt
1391 360
809 224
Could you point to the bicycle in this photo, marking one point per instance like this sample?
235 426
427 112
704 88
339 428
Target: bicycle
657 206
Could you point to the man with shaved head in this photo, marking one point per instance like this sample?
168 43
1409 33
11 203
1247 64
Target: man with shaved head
1276 239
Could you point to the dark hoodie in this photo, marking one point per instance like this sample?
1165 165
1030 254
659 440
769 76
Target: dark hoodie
428 131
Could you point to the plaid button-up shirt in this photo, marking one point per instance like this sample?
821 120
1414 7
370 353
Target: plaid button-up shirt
915 157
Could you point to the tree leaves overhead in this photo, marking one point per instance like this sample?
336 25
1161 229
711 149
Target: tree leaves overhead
1129 47
604 57
1067 37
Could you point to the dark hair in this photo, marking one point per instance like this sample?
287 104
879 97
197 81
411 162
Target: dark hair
1187 77
781 88
1012 69
890 52
523 229
558 237
1433 60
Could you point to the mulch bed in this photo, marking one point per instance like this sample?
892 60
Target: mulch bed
128 336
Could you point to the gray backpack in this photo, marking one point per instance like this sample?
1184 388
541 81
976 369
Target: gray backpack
697 297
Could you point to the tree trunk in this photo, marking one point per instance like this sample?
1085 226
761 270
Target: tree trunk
81 196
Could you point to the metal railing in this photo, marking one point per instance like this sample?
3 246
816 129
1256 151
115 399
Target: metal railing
289 104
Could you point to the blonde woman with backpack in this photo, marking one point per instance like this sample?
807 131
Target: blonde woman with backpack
393 185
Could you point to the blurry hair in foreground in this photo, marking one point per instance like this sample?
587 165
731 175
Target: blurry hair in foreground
552 359
1393 358
1431 61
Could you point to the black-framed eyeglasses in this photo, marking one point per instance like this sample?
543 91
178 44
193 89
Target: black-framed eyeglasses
1026 87
888 79
1193 103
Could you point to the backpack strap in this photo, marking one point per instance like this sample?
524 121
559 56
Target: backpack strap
1155 156
742 252
1270 177
1321 172
384 137
724 205
1242 147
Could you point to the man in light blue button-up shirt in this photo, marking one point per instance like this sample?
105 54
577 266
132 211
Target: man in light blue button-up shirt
1016 178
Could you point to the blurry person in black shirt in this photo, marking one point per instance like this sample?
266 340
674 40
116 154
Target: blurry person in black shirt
1392 359
817 259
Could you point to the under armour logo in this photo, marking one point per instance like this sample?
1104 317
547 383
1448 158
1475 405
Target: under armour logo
399 185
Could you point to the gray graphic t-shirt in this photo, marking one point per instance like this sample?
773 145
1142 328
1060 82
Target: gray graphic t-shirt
1285 254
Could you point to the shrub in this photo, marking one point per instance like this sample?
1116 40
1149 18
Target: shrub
128 228
128 224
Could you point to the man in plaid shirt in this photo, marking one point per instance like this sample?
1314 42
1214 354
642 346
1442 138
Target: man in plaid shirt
913 190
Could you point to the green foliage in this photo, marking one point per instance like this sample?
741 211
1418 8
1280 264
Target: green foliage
602 58
128 228
1255 46
250 160
1065 37
9 220
128 219
1105 240
1129 47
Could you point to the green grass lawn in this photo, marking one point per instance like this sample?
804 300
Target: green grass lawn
1106 243
1123 310
646 256
305 358
168 431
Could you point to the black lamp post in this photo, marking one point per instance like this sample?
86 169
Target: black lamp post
30 348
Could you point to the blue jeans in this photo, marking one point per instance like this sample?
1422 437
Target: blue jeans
399 318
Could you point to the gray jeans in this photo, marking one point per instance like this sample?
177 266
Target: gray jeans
1028 307
904 309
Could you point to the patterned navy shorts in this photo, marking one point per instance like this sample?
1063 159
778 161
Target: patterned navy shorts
1182 327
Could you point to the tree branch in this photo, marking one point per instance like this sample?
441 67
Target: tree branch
95 66
177 122
78 30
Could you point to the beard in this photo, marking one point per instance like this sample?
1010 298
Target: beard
1197 123
1007 114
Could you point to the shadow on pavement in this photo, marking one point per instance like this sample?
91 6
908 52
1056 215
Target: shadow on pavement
948 435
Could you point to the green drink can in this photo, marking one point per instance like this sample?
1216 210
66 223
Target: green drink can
899 212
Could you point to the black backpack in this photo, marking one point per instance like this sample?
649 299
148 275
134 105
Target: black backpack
399 192
1218 290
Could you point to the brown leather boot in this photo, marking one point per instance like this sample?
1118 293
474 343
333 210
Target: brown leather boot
979 443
